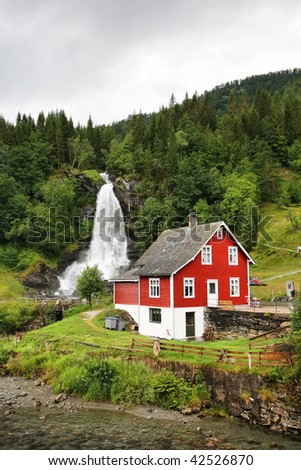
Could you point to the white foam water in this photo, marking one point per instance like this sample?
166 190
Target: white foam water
108 247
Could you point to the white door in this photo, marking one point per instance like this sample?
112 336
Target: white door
212 293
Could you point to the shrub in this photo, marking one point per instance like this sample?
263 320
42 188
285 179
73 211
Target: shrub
71 380
9 256
50 313
170 391
28 365
99 380
132 385
16 316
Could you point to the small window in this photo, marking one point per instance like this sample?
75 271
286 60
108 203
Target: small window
154 287
233 255
234 287
220 234
206 255
189 287
155 315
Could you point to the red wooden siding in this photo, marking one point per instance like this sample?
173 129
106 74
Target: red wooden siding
163 300
126 293
219 269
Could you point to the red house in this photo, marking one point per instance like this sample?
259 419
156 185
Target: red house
181 273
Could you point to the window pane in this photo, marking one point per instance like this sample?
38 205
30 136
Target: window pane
155 315
211 287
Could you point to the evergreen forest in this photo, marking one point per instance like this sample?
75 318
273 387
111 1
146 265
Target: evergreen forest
222 153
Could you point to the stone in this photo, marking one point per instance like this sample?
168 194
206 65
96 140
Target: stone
59 398
285 324
21 395
187 411
37 383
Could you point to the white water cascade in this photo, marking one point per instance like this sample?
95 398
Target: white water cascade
108 247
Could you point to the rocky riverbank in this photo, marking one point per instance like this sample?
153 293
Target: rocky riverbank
18 392
33 417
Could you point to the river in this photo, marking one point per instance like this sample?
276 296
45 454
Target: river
54 429
33 417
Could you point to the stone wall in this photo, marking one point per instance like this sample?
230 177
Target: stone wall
231 324
252 398
246 396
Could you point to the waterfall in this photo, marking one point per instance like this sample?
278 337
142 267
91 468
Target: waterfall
108 247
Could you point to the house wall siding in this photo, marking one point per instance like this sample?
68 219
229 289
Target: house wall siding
163 300
219 269
133 310
126 293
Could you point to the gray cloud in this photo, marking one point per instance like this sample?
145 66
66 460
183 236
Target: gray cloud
108 58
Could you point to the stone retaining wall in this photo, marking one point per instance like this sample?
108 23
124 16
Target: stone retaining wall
246 396
231 324
250 397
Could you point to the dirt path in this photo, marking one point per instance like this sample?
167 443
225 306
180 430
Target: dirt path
90 315
281 275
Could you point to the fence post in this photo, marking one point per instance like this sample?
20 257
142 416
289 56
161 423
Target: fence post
156 347
250 360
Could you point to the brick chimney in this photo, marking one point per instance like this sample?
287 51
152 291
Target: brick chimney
193 219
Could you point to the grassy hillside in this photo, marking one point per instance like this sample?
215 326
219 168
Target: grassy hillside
10 287
276 251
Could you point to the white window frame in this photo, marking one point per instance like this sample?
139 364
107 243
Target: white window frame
154 287
233 255
234 286
188 283
220 233
207 254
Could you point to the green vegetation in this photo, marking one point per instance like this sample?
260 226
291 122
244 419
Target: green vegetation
10 288
76 356
236 148
17 315
90 283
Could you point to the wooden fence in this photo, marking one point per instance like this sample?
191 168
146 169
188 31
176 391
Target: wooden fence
250 359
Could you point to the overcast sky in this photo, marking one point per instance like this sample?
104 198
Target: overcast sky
110 58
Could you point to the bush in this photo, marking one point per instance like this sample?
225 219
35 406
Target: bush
9 256
72 380
16 316
132 385
29 366
50 313
99 379
170 391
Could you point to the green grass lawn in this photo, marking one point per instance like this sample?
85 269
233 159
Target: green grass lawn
78 338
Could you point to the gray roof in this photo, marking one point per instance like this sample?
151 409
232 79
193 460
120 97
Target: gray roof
128 276
173 250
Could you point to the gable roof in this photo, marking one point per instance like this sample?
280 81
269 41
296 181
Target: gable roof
173 250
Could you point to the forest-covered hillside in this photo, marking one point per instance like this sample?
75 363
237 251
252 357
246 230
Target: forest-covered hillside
222 153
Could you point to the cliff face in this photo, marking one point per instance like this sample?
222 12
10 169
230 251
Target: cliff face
130 203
